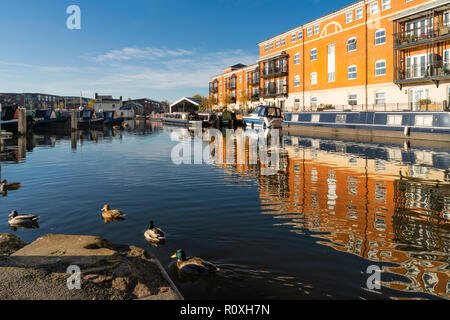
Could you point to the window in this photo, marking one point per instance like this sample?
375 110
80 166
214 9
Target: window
374 8
309 32
283 42
352 72
352 99
247 76
313 54
296 105
316 29
314 117
313 78
380 68
351 44
423 121
380 36
394 120
380 97
240 93
359 13
297 58
278 43
271 46
266 48
331 63
349 17
297 81
300 35
293 37
385 4
240 79
341 118
447 18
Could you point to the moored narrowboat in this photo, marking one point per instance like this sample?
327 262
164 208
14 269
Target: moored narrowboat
48 119
9 119
433 125
88 119
177 118
110 118
265 116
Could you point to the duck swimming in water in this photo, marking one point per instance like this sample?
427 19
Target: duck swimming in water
193 266
107 213
18 220
154 234
5 186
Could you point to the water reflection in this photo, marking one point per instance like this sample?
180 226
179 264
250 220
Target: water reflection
354 199
348 197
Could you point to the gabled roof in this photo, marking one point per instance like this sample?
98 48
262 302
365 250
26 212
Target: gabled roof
194 101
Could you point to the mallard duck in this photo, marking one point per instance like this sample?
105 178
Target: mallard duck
125 125
196 266
5 186
17 220
107 213
117 127
154 234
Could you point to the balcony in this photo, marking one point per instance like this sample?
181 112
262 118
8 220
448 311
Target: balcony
213 88
421 35
274 91
423 72
254 81
275 71
255 97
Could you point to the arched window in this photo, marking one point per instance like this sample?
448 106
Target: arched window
351 44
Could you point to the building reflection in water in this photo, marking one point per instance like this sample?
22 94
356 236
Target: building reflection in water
352 198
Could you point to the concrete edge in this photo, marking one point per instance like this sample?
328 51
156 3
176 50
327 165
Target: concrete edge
167 277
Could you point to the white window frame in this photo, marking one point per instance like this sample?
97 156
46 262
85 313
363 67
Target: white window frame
385 5
313 78
380 37
293 37
300 35
297 81
315 55
314 117
266 48
283 42
317 29
271 46
355 72
394 120
297 59
377 98
373 8
277 43
423 120
349 17
309 32
376 68
355 99
352 38
359 13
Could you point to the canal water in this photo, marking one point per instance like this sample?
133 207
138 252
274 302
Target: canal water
317 227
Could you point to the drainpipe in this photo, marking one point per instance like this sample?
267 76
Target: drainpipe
367 56
303 67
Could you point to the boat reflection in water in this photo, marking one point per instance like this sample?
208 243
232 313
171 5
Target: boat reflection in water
351 197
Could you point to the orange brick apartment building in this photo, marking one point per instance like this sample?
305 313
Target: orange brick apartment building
392 54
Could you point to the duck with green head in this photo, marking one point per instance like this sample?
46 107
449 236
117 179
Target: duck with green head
154 234
195 266
23 219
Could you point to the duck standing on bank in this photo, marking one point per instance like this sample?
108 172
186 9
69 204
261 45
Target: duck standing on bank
24 219
107 213
5 186
193 266
154 234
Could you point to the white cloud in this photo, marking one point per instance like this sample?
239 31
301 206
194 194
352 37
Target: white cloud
130 72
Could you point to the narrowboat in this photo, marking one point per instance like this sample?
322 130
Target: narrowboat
428 125
110 118
48 119
226 118
9 117
88 119
265 116
177 118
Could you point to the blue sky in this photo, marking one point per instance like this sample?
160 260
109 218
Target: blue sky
160 49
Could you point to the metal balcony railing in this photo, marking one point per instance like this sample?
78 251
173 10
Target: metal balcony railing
275 71
424 71
420 35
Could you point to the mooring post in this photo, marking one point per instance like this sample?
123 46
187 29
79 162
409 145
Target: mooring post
22 123
74 120
22 147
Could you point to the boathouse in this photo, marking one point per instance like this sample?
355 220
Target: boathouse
186 105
